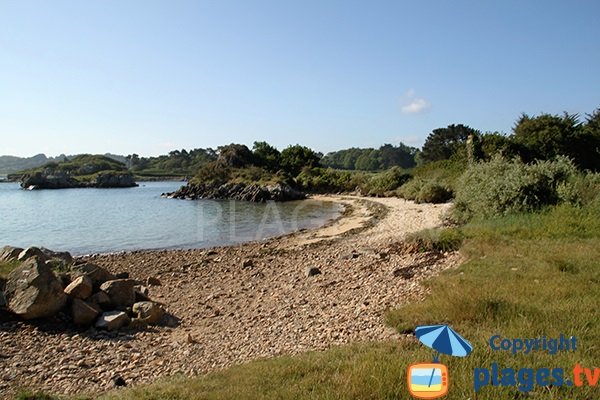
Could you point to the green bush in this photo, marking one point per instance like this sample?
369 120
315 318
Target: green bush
445 239
383 183
326 180
410 190
432 192
500 187
581 189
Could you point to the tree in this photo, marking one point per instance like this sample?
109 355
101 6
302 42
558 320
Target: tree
235 155
546 136
590 159
368 161
443 143
402 156
266 156
492 143
294 158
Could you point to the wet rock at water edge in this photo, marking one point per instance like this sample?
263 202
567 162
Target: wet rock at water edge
9 253
32 252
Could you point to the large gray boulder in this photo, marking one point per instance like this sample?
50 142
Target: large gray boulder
120 291
33 291
9 253
97 274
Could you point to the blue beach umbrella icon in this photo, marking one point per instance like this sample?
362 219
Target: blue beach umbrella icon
443 339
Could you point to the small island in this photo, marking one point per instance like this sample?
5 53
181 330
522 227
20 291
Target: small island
82 171
257 175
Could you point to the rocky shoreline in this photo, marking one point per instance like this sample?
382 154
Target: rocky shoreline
61 180
306 291
237 191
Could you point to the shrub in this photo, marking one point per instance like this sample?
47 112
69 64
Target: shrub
410 190
383 183
581 189
500 187
445 239
432 192
322 180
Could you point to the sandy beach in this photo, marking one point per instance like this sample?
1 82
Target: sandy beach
241 303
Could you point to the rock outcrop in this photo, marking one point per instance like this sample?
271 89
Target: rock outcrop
238 191
9 253
90 294
33 291
49 179
113 180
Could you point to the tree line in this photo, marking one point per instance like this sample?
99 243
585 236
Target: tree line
541 137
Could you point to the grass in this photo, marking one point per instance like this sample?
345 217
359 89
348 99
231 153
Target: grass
6 267
525 276
447 239
528 275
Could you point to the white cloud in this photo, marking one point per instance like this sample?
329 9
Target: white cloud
413 104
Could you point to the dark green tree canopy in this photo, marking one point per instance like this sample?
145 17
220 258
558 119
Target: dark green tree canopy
235 155
370 159
546 136
266 156
443 143
294 158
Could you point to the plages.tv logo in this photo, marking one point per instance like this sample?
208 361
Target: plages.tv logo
431 380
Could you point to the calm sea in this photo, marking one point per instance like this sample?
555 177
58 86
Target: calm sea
85 221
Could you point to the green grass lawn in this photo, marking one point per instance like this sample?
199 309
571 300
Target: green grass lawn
525 276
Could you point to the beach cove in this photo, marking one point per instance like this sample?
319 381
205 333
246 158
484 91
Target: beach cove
309 290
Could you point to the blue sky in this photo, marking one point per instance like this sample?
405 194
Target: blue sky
148 77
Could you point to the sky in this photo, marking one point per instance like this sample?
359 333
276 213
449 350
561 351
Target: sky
148 77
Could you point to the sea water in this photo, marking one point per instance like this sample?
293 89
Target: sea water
85 221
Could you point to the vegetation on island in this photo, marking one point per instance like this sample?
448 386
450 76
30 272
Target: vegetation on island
84 170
